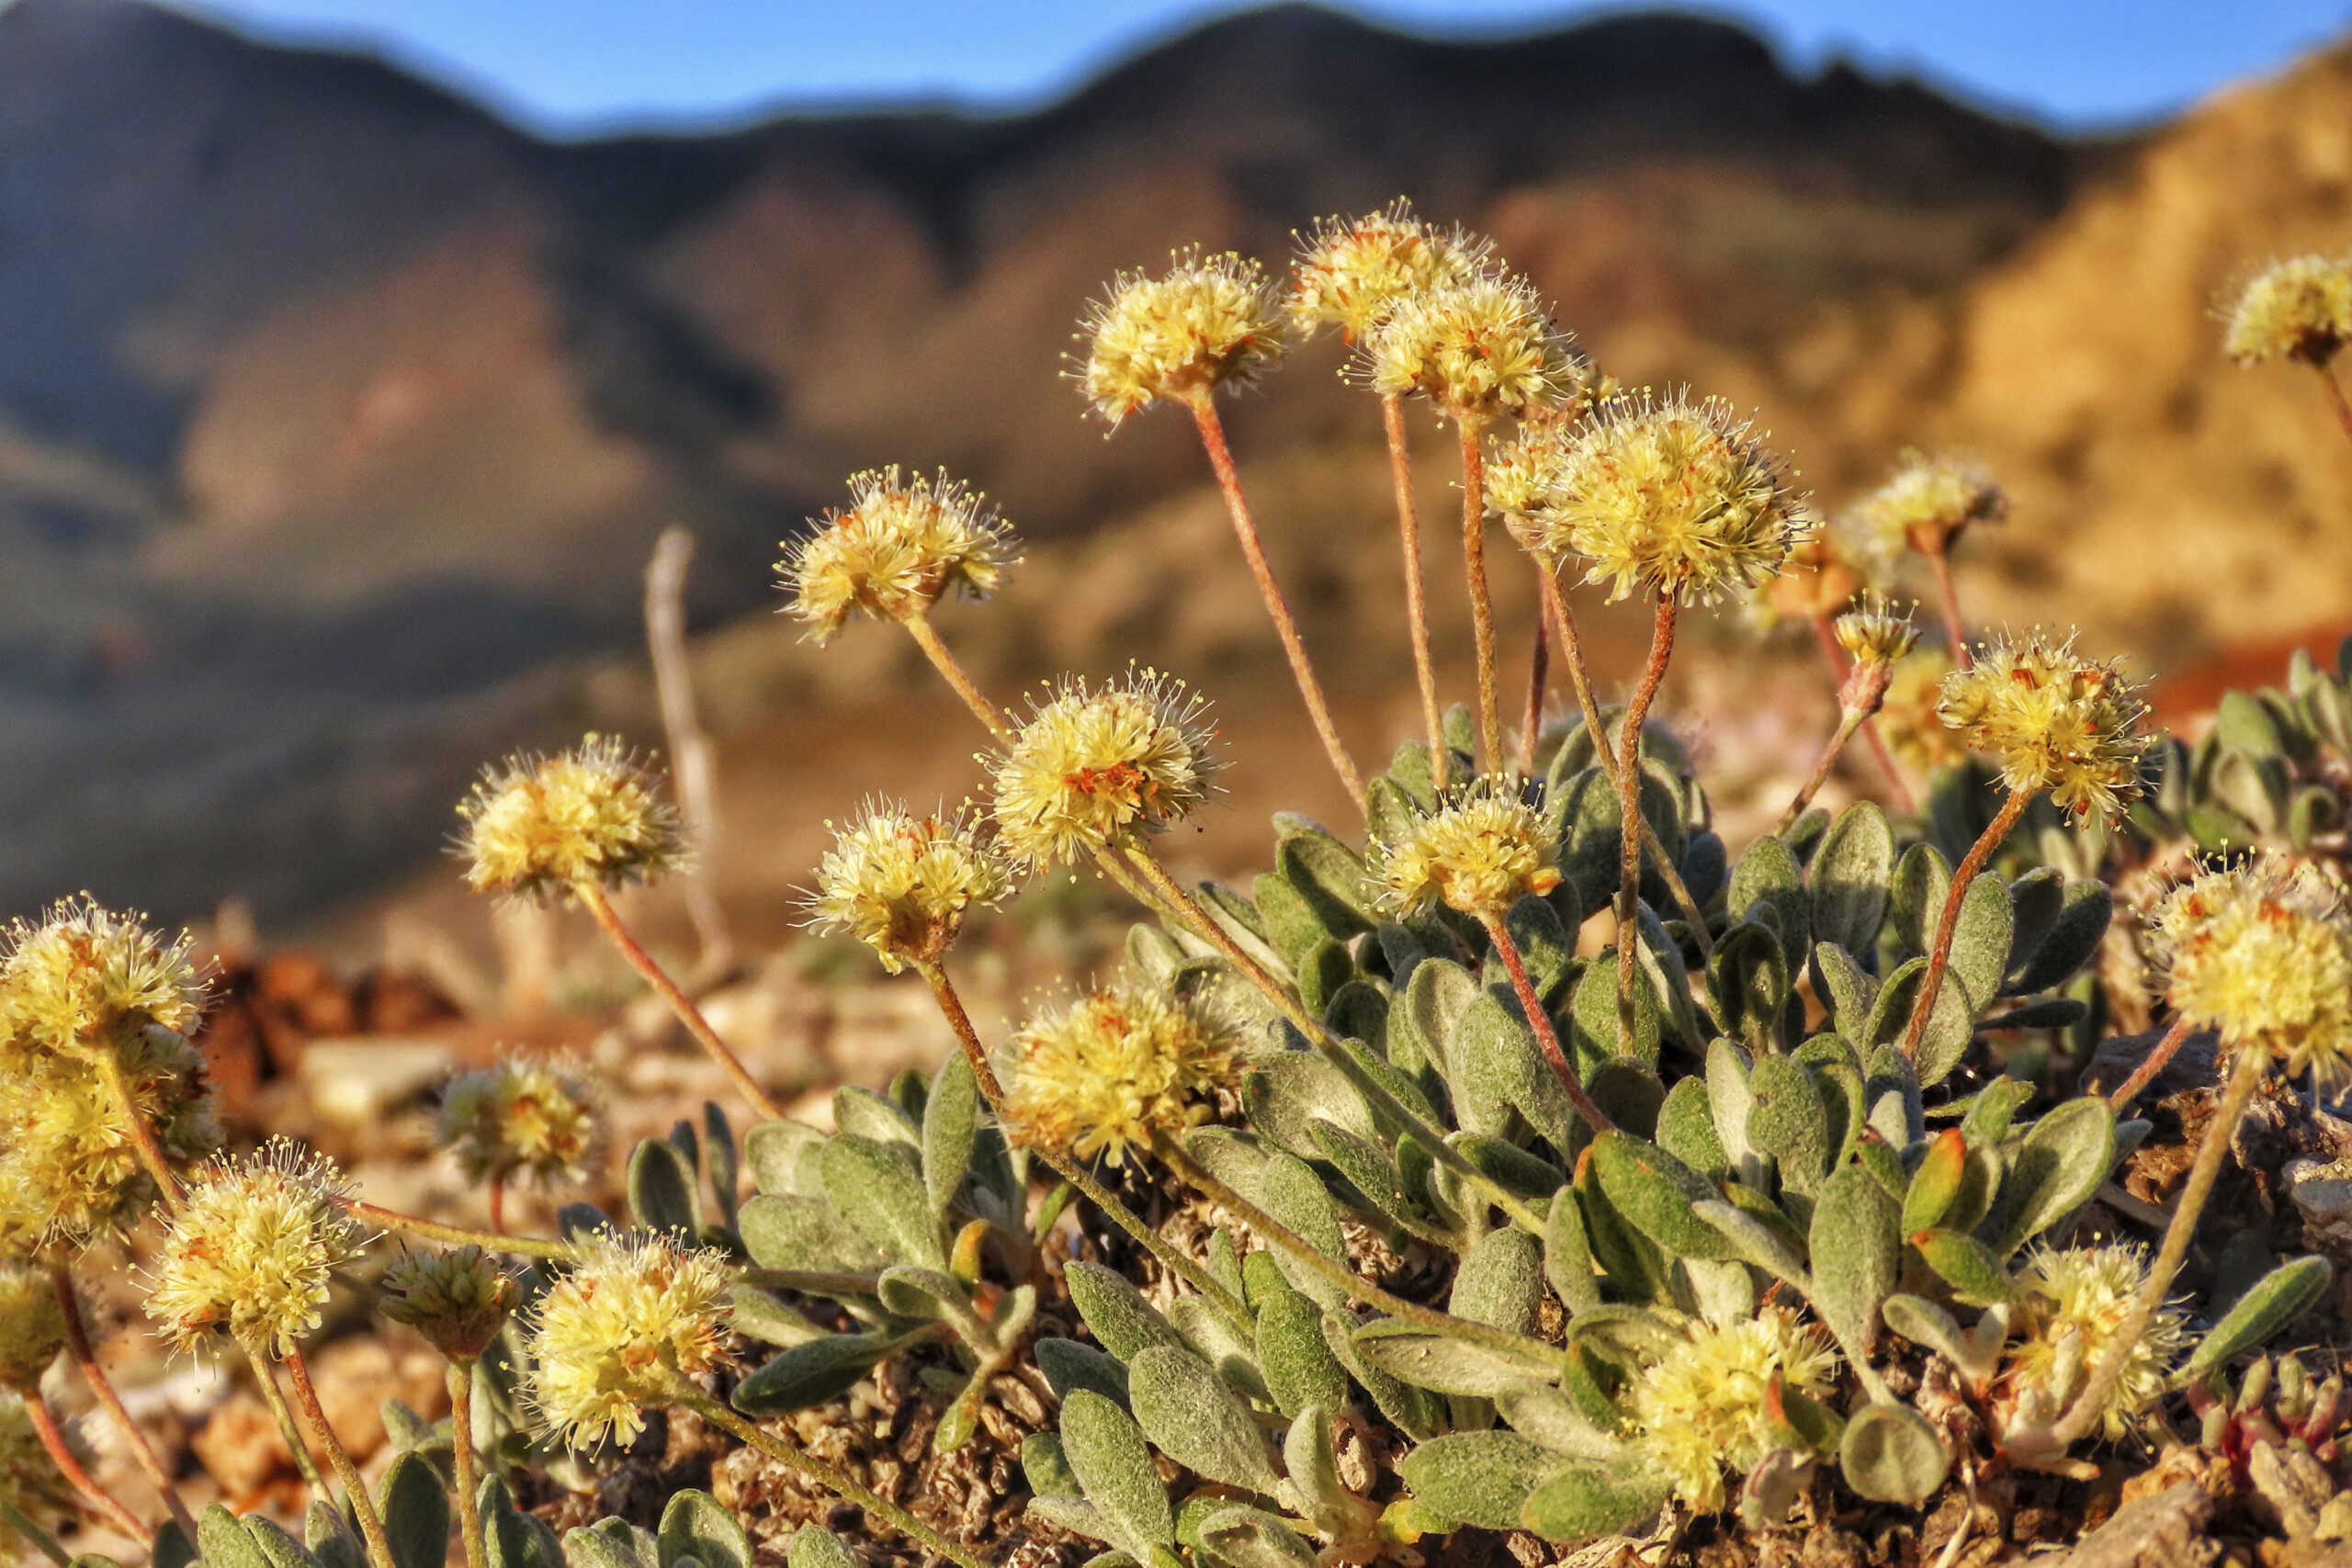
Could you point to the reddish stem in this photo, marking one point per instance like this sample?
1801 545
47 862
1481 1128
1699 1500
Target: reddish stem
1245 528
1629 792
1940 558
61 1454
1898 789
2335 398
1539 679
2152 1064
1940 957
600 907
1482 609
1540 1021
1417 615
86 1361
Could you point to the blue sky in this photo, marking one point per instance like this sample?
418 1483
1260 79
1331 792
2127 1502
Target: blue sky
583 66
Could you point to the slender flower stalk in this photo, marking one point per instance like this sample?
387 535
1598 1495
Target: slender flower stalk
355 1485
1245 529
1416 615
1482 609
1539 1019
2158 1056
1898 788
1629 875
1876 637
600 907
465 1466
951 670
1539 682
1362 1292
93 1375
458 1236
1171 1256
290 1430
458 1301
1948 922
683 1393
101 1503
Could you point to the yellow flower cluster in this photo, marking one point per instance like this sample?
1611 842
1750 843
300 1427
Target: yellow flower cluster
1479 853
903 883
2055 721
1350 272
32 1326
1095 770
614 1332
900 548
1703 1406
588 817
1207 321
251 1250
2263 953
86 977
1673 499
1925 503
2294 309
69 1168
1872 633
520 1118
1908 720
1114 1067
2076 1298
1478 348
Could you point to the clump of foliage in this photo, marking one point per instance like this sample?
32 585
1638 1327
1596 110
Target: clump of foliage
1570 1170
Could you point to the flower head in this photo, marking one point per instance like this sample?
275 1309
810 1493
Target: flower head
456 1300
32 1326
2294 310
1097 769
1478 348
69 1168
1351 271
1114 1067
1873 633
588 816
521 1118
1926 503
2262 952
1673 498
1479 853
901 548
251 1250
1209 321
2054 720
613 1333
86 977
903 883
2075 1299
1704 1406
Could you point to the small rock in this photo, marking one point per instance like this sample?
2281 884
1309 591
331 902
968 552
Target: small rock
357 1080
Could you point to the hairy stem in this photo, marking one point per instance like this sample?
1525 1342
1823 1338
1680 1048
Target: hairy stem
266 1378
1538 680
1948 596
461 1431
85 1361
2153 1063
1849 721
1482 609
459 1235
2245 1077
592 895
495 1191
2335 398
1939 956
1171 1256
1416 615
1629 795
685 1394
1358 1290
1245 528
1540 1021
355 1488
96 1498
951 670
1580 679
1898 788
1331 1050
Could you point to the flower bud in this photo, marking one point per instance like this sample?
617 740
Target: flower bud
456 1300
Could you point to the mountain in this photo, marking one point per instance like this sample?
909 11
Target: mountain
336 416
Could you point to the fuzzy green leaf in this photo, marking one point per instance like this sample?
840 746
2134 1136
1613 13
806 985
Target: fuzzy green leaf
1069 1365
878 1189
1330 877
2275 1300
1892 1455
1043 1466
1768 876
1786 1120
1479 1478
1949 1025
661 1188
1849 991
1856 1251
812 1373
1251 1538
1655 1192
1937 1181
1567 1254
1292 925
1191 1416
415 1513
1106 1452
1747 984
1287 1092
694 1525
2064 1157
1500 1281
2073 938
510 1538
1446 1365
950 1124
224 1541
1849 876
1435 998
861 1113
1407 1408
1373 1175
1297 1363
783 1158
1291 1191
1544 1415
1755 1240
1116 1313
1686 1129
813 1546
1967 1264
1980 941
610 1543
803 1233
1587 1500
